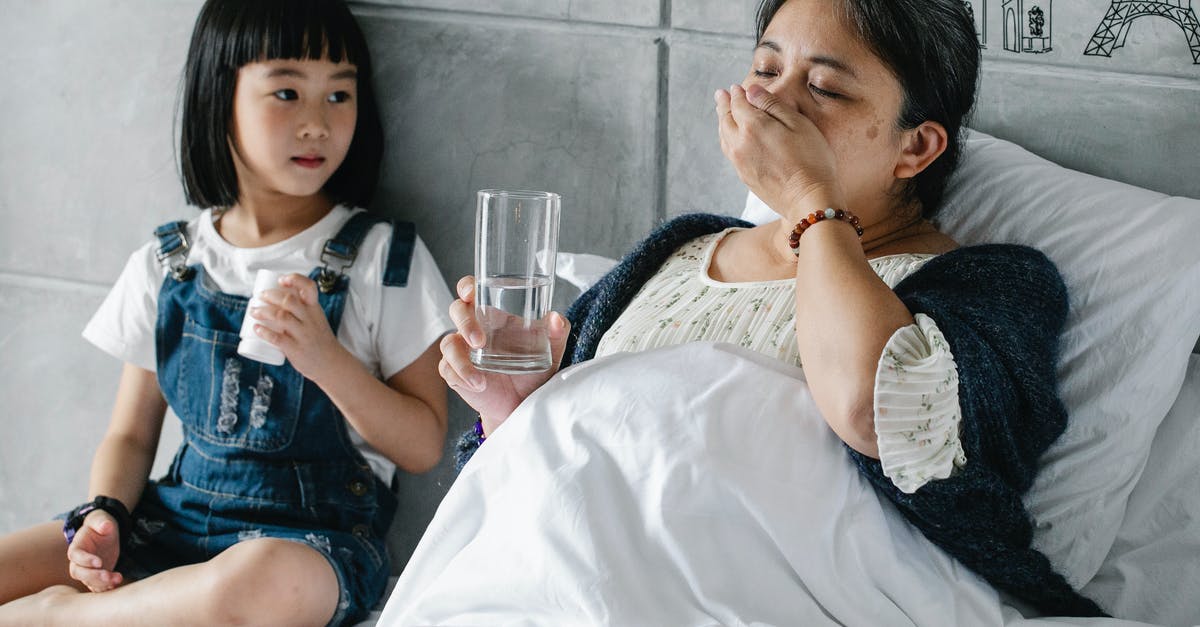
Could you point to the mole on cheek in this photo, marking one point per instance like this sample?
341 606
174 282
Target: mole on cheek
873 132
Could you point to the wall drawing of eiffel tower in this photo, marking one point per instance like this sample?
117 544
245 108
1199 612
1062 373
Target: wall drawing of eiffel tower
1113 29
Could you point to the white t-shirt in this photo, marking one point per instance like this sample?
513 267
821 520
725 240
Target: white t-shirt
386 328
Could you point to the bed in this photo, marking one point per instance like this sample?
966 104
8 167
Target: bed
631 491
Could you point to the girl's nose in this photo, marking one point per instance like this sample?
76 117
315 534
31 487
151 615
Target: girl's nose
314 125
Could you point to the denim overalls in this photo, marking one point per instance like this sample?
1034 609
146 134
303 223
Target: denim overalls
265 451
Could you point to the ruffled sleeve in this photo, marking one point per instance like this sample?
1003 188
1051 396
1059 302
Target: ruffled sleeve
917 413
1001 309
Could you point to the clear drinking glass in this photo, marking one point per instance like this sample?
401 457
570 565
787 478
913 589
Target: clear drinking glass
516 242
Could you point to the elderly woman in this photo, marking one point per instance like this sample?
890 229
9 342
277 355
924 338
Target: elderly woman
934 364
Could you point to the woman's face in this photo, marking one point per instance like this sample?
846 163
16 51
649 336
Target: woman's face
817 66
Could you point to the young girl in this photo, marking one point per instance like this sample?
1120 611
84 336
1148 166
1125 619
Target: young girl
275 507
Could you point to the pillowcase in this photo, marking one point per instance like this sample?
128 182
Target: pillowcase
1152 573
1132 269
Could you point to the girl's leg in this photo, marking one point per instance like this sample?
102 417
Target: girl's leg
33 559
264 581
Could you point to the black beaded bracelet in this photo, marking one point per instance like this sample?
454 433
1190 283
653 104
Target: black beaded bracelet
113 507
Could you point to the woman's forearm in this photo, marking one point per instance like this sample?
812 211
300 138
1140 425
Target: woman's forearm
845 315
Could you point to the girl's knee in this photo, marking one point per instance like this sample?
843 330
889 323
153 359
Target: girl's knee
269 580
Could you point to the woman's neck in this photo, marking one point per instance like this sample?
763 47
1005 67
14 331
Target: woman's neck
910 237
901 231
257 222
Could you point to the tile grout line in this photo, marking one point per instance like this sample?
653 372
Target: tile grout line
663 120
36 281
549 24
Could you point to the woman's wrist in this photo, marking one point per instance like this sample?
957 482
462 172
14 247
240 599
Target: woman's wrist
813 198
812 220
486 425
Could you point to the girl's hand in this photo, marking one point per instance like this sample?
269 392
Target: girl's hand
93 553
777 151
292 320
492 394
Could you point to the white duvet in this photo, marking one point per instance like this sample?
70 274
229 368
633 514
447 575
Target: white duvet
692 485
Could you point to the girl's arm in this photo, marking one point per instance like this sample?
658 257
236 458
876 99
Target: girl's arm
404 418
120 469
122 463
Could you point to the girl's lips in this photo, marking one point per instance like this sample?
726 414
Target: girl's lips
308 162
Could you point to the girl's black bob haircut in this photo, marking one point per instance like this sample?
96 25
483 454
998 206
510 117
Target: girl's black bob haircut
231 33
931 48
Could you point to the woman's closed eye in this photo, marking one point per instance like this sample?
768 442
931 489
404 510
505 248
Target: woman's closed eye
824 93
767 73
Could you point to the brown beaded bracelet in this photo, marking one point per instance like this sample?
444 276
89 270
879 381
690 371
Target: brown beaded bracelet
815 217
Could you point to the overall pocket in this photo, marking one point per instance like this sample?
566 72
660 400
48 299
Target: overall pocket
232 401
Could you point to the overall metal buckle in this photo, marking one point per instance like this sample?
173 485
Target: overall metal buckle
327 279
176 258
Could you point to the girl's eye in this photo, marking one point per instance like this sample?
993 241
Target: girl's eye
765 74
339 96
286 94
824 94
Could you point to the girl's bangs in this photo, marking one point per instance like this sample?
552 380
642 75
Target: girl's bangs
287 29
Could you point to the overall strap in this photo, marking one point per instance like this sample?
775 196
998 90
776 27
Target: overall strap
342 249
400 254
173 247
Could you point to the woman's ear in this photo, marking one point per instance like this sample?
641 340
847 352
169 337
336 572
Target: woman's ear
921 146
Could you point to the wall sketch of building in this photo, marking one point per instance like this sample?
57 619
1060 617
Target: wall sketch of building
979 15
1113 29
1028 26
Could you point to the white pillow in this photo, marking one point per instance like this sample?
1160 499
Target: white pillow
582 269
1153 571
1131 263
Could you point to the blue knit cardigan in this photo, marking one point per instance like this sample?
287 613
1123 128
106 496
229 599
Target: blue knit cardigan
1001 309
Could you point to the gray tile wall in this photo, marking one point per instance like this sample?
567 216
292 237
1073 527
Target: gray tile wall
609 103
